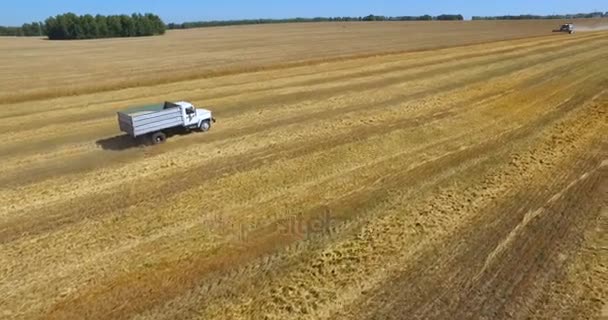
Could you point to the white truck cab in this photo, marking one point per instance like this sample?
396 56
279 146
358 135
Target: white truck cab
194 117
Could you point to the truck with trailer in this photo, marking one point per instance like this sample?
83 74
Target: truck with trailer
154 123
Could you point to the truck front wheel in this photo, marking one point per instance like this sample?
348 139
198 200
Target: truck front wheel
158 138
205 126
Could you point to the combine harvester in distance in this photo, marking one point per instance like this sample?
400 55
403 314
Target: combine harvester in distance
568 27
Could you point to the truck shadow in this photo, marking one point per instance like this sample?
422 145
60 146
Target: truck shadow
120 143
126 142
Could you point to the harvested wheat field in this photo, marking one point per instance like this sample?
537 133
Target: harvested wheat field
415 178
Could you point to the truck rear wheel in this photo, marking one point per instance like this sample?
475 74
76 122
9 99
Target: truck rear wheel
158 138
205 126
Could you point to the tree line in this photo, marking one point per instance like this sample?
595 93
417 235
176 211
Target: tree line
538 17
35 29
70 26
220 23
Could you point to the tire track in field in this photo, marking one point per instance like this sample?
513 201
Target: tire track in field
140 248
521 275
438 57
292 306
265 242
511 283
145 79
213 169
68 212
100 198
85 114
156 289
446 280
89 161
323 93
579 290
387 68
158 208
389 80
232 262
435 58
344 256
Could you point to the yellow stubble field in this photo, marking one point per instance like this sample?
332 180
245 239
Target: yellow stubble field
357 170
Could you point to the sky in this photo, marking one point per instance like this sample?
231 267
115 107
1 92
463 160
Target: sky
15 13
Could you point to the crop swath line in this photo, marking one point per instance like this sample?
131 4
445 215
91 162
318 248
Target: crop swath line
143 82
185 272
532 130
438 58
62 215
425 300
387 79
65 215
324 114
